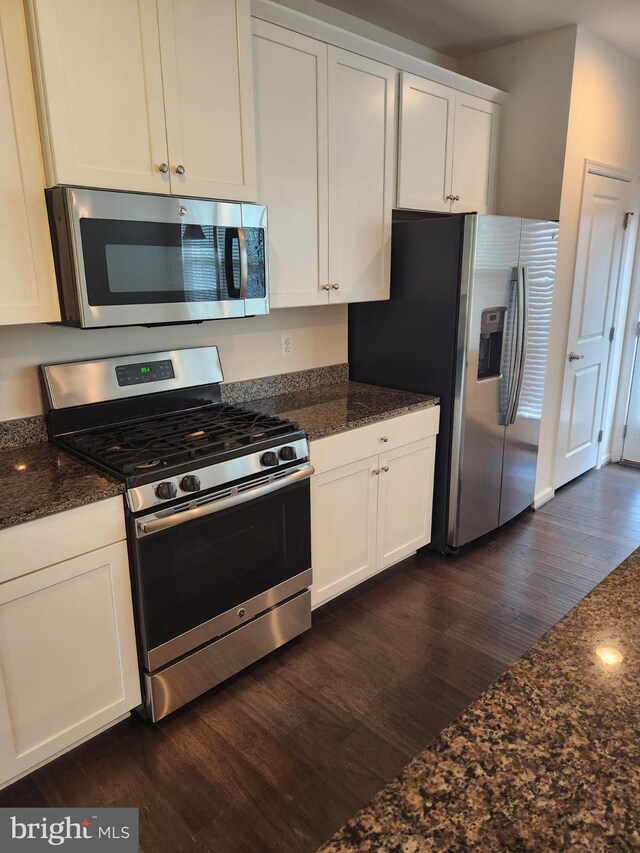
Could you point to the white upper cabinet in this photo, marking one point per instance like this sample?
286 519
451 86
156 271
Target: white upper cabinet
291 134
362 123
28 292
325 125
147 95
426 144
208 90
475 152
448 148
101 93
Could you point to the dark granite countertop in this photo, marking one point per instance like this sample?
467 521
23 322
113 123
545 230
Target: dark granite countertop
330 409
547 759
40 479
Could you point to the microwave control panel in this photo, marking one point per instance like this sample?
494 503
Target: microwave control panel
151 371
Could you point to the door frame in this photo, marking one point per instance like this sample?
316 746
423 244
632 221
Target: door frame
629 354
616 173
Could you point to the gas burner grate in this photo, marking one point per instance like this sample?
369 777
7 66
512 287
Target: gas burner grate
166 440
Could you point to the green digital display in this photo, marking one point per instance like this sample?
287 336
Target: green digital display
145 369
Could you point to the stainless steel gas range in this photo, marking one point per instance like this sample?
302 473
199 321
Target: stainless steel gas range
217 505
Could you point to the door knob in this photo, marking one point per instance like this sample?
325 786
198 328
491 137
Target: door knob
164 168
180 170
335 286
573 356
375 470
385 468
456 198
326 287
450 198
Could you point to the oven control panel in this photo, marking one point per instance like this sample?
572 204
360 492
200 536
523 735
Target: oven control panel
147 371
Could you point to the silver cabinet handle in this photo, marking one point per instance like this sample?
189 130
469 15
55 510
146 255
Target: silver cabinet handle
326 287
384 438
450 198
456 198
573 356
154 523
164 168
375 471
180 169
335 286
385 468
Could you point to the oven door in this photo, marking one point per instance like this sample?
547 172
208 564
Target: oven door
143 260
202 570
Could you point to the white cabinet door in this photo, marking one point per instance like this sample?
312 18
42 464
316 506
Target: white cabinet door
208 88
362 98
343 527
101 91
28 292
475 152
425 157
291 132
404 500
68 662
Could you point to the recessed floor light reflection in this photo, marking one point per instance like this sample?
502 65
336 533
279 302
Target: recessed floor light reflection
609 655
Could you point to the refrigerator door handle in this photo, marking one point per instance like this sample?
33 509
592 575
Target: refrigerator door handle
513 350
523 330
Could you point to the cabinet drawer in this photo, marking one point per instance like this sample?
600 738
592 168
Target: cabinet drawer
347 447
36 544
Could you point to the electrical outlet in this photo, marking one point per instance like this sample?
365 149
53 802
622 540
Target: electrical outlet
286 344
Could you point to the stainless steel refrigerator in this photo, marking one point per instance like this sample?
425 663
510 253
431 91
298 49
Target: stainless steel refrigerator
468 320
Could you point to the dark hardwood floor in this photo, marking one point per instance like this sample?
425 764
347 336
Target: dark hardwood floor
280 756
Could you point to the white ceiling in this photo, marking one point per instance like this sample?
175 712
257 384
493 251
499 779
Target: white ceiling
463 27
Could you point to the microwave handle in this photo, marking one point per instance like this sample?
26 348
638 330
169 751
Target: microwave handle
239 235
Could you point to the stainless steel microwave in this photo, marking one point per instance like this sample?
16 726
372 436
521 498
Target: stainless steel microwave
130 259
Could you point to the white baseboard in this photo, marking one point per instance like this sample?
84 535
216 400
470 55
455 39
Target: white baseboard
543 497
606 459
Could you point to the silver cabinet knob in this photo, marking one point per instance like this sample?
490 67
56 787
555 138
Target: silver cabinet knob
326 287
573 356
335 286
449 198
384 438
164 168
456 198
180 170
375 471
385 468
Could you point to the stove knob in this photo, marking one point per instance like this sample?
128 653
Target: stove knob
166 491
190 483
288 454
269 458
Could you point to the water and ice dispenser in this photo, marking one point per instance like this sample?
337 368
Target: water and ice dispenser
491 338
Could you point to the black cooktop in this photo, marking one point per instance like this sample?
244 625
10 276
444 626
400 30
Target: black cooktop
178 438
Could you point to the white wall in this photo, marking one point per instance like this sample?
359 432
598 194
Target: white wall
248 348
604 125
537 72
573 97
346 21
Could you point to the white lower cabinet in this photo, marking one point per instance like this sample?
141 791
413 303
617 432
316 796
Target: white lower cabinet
370 511
68 661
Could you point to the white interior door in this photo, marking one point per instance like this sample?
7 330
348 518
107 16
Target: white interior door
598 258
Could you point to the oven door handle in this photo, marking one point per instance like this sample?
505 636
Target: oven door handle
146 527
